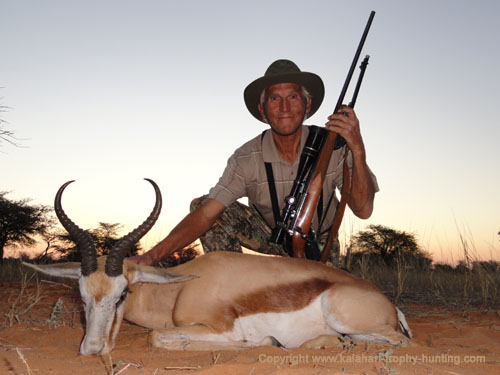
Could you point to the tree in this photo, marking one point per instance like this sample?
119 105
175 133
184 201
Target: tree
20 222
389 244
52 241
5 134
104 236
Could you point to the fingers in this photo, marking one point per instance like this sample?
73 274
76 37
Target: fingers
143 260
343 112
344 120
147 259
346 110
345 123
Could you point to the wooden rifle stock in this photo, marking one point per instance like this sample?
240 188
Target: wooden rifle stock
305 213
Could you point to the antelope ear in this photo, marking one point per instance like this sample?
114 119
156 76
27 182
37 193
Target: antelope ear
147 274
67 270
161 278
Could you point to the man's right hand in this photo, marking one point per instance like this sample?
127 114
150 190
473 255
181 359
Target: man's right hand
145 259
187 231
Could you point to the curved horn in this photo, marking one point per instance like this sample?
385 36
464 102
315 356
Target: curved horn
82 238
114 263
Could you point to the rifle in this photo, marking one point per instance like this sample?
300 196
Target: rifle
300 205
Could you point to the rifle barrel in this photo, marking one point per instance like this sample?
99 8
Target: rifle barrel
354 62
362 68
305 213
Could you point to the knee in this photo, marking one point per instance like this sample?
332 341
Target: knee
197 202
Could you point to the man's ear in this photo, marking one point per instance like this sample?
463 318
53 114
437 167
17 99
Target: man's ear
308 106
262 113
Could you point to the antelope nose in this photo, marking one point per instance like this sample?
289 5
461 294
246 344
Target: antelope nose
91 347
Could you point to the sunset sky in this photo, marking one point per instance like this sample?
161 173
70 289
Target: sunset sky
110 92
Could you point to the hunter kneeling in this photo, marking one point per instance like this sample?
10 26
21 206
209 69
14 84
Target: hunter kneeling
264 170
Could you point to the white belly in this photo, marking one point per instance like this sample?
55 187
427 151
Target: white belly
291 328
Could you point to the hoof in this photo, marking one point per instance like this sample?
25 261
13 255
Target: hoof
275 342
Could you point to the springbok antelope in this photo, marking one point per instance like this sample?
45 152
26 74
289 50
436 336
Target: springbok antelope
223 300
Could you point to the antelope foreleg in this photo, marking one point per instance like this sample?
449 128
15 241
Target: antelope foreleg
200 337
322 342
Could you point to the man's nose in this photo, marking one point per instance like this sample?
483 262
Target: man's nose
284 105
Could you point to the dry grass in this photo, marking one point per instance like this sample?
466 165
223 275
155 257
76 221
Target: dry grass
21 357
11 271
118 367
471 284
23 294
22 300
476 286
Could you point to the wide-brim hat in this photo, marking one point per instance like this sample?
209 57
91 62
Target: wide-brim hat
284 71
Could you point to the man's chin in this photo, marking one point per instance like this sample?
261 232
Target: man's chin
286 132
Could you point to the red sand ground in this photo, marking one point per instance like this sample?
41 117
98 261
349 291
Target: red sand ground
448 342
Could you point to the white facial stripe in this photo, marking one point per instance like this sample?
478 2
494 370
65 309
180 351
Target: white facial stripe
100 314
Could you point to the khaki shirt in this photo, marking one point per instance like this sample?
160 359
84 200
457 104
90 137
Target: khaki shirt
245 176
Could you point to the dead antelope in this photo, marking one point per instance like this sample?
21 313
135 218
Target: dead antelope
223 300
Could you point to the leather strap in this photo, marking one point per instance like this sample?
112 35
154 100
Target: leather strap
274 196
272 192
339 213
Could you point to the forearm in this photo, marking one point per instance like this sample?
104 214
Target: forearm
181 236
362 187
362 193
188 230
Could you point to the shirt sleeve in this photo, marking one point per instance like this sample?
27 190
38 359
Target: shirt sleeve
231 185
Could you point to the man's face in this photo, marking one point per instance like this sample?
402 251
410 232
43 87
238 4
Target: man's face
285 108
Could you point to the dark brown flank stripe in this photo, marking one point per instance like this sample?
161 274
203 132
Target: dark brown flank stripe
281 298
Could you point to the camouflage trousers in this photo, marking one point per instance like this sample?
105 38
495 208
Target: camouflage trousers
241 225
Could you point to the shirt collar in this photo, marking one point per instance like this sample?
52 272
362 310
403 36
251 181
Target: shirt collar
270 153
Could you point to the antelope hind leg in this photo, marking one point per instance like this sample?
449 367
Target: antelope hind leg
364 315
395 338
200 337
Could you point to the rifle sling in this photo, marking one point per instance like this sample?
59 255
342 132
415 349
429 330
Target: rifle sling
339 212
274 196
272 191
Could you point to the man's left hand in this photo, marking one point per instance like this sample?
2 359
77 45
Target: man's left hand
346 124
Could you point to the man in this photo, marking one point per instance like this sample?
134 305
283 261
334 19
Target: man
283 98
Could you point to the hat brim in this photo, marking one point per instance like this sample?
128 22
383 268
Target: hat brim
312 82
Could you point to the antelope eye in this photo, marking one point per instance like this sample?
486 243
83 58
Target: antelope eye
122 297
124 293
